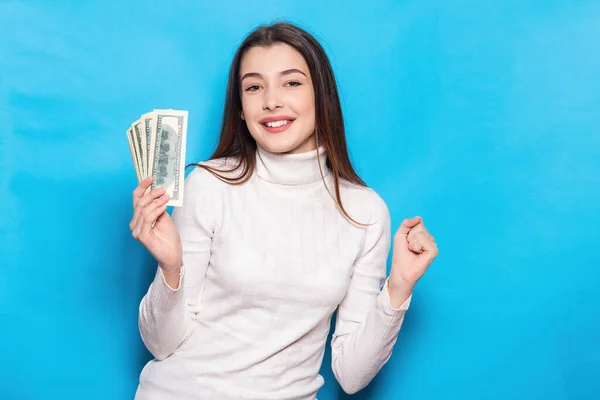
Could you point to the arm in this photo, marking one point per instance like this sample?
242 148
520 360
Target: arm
367 325
167 312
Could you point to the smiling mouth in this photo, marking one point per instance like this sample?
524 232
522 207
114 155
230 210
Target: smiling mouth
277 124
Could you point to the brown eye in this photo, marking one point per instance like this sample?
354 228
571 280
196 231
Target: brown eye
252 88
293 83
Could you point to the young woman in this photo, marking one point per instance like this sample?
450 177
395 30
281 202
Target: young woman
276 232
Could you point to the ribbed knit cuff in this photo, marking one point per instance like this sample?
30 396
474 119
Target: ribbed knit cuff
181 272
386 304
165 296
390 319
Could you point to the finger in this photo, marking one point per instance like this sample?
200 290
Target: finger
141 189
418 230
407 225
152 216
146 199
145 211
416 246
431 248
152 195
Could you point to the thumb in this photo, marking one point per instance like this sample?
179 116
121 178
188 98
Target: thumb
408 224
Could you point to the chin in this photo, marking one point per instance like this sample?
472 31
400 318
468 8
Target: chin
276 147
278 143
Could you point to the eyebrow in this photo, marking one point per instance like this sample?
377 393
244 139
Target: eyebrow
282 73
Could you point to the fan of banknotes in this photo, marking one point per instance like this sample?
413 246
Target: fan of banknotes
157 145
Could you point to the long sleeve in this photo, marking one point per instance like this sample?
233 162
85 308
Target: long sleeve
166 315
366 325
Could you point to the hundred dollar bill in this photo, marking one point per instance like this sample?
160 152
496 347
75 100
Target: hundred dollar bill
168 153
140 137
133 155
148 132
149 123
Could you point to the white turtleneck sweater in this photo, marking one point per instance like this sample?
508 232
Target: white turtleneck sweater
265 265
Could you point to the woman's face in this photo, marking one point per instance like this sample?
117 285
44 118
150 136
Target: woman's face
278 100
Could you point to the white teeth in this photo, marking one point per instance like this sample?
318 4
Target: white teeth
276 124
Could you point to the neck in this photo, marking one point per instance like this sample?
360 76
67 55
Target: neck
291 169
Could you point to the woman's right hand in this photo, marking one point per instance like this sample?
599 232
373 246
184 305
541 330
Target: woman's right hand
153 227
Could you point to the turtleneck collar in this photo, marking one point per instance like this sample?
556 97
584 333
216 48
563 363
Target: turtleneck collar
291 169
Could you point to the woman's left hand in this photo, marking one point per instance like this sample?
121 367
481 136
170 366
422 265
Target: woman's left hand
414 251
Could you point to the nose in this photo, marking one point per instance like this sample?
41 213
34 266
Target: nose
271 100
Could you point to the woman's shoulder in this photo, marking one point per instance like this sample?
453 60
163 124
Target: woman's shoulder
364 199
363 193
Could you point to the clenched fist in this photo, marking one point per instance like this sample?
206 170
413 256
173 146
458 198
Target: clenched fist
414 251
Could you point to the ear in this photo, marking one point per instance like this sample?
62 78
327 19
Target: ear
241 114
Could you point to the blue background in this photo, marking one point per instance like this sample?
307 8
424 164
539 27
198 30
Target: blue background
483 117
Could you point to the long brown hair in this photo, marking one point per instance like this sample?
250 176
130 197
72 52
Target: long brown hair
235 140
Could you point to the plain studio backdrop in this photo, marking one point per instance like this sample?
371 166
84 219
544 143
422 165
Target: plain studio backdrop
483 117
